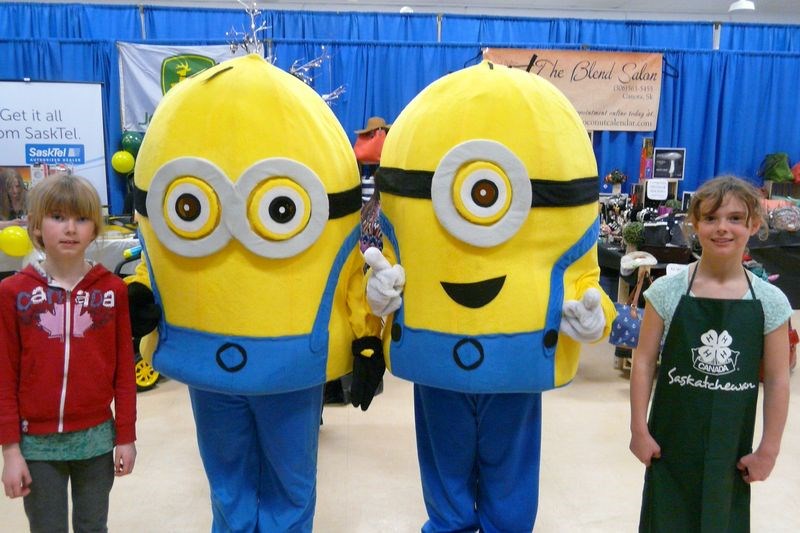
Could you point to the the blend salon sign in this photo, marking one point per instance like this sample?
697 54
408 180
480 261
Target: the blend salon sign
614 91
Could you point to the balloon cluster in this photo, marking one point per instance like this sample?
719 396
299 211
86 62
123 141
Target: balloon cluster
14 241
124 160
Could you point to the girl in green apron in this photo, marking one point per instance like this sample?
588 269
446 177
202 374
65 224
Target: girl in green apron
721 326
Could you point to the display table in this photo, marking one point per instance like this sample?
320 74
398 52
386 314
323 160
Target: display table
780 254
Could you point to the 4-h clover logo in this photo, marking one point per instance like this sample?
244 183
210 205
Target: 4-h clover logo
715 356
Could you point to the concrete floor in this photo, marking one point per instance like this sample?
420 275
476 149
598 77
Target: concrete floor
368 479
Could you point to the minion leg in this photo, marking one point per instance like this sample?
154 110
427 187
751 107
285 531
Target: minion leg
260 457
479 459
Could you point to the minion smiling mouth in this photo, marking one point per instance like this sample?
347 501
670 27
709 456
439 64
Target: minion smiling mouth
476 294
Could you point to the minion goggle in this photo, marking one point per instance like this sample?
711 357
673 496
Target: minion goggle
276 209
481 191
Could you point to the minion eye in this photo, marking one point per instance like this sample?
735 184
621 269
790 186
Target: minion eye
286 208
191 208
282 209
481 193
184 206
484 193
279 209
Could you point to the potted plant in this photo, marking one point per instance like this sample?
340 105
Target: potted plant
616 178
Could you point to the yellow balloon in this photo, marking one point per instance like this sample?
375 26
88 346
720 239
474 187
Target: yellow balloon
122 162
14 241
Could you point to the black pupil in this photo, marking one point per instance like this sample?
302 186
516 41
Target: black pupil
484 193
188 207
282 209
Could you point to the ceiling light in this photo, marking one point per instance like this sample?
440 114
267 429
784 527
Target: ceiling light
742 5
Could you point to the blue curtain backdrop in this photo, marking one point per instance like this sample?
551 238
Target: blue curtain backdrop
69 21
353 26
728 108
772 37
171 23
576 31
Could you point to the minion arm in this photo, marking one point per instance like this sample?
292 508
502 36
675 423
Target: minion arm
145 312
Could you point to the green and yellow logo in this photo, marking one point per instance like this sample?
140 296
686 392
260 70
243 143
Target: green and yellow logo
175 69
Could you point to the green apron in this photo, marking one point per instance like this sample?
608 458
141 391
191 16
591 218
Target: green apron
702 416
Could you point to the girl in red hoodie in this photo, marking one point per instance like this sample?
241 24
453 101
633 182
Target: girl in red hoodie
65 355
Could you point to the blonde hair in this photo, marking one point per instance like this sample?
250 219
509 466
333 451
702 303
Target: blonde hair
67 194
712 193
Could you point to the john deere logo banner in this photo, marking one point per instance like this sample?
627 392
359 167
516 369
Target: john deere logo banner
147 72
175 69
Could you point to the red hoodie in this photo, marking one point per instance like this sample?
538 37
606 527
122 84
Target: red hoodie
65 355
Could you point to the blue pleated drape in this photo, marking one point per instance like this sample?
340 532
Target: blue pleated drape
69 21
773 37
480 29
353 26
163 23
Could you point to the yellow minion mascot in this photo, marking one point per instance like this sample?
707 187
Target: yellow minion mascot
489 190
248 199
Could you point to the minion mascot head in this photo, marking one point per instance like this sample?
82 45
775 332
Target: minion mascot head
248 199
489 186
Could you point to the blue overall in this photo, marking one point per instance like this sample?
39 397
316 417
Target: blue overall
477 403
260 457
257 403
478 459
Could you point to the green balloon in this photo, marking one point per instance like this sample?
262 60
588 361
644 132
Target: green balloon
131 141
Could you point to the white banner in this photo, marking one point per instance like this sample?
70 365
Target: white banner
147 72
53 127
611 91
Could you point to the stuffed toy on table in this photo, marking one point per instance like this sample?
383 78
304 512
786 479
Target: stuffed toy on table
489 190
248 199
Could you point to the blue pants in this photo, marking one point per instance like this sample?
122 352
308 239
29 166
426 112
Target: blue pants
479 459
260 457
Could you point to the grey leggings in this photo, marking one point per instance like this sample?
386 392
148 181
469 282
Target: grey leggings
90 480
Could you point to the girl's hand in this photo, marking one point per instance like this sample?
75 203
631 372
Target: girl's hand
644 447
16 476
756 466
124 459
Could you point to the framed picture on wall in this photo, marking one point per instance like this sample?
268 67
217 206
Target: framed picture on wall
668 163
686 200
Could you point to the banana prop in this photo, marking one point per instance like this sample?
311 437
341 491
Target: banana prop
248 199
489 191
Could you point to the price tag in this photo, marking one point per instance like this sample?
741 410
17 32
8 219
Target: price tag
674 268
657 189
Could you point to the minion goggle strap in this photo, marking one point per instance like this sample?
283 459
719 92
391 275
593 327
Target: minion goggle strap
341 203
481 192
277 207
544 193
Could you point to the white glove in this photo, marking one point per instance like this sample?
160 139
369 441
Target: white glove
385 284
583 320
